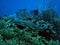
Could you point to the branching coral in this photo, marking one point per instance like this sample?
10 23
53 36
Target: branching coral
28 31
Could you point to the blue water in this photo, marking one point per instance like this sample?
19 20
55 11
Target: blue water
12 6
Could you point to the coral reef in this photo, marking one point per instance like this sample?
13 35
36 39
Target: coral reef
30 30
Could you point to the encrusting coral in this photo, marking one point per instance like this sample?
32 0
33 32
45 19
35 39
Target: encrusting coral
27 30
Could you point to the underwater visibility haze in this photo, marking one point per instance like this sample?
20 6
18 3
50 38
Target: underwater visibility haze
12 6
29 22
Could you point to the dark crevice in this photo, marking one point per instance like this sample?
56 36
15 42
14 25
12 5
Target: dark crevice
20 26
